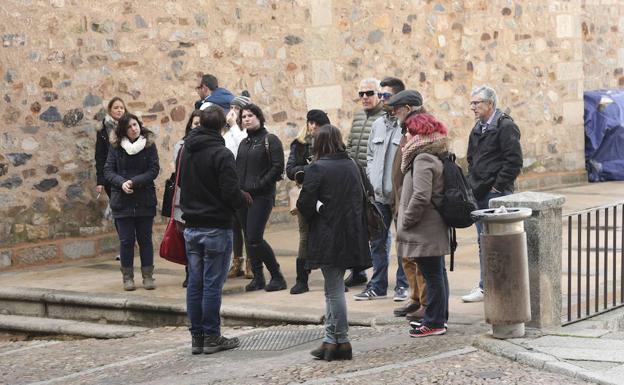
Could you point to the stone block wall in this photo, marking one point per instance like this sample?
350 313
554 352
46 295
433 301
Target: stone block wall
62 60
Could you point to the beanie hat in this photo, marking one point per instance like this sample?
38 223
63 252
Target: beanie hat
240 101
318 116
425 125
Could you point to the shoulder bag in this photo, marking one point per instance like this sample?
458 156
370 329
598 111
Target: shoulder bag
172 246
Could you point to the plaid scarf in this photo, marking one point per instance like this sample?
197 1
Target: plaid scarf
415 146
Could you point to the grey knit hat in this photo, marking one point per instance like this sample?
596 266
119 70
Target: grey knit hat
240 101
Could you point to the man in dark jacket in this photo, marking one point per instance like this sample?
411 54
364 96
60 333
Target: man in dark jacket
209 195
494 158
211 94
357 142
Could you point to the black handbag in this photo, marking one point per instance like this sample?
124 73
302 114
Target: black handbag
374 218
167 201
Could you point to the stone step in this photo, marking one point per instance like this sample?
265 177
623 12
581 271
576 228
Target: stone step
47 326
130 309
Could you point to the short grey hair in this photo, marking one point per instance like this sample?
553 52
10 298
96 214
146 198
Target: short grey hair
371 81
487 93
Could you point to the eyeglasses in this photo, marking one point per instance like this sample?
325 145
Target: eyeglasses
384 95
476 103
367 93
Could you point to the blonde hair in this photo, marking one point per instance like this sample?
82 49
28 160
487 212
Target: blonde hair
301 136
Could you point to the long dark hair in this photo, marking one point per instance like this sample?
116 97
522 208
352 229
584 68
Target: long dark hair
254 110
327 140
124 123
189 124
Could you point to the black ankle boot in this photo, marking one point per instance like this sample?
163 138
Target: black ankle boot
276 283
257 283
299 288
197 344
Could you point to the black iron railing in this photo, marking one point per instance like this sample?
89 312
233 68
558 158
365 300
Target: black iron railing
594 256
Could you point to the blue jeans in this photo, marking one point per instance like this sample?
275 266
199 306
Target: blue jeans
208 251
482 205
380 252
336 324
433 270
131 230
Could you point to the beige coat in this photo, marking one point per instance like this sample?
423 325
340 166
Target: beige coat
421 231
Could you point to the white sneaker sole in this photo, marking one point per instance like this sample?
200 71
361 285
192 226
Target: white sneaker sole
370 298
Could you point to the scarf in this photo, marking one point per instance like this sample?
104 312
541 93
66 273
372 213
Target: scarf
109 124
415 146
133 148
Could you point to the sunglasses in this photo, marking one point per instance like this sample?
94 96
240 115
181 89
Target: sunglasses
367 93
384 95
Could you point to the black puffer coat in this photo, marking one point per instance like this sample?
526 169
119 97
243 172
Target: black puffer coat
495 156
142 168
101 150
338 236
260 163
298 159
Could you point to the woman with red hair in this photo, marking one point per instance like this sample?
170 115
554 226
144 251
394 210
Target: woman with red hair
422 234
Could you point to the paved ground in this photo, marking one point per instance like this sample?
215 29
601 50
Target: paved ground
384 355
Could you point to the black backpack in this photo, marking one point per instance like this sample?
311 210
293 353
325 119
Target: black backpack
457 202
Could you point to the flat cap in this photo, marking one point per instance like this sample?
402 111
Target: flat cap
406 98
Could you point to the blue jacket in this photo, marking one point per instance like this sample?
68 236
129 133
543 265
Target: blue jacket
220 97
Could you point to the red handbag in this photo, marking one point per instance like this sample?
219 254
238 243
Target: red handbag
172 246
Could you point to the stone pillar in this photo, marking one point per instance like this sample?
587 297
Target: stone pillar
544 239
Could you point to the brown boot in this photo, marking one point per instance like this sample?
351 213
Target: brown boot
248 272
236 270
344 351
417 315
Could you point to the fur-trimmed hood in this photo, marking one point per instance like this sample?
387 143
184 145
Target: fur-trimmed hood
108 123
115 141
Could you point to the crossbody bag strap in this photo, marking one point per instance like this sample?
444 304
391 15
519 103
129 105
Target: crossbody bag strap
175 186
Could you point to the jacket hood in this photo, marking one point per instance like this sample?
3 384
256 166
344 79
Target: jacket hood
221 97
115 141
109 123
201 138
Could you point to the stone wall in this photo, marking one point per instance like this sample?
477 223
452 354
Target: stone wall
602 31
62 60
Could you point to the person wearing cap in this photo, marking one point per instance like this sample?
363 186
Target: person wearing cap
382 146
357 142
233 136
211 94
403 105
422 234
298 160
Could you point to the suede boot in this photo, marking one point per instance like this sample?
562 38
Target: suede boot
236 270
258 282
277 282
128 278
248 272
344 351
148 279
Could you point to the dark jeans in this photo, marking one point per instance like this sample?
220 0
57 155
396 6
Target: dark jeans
485 204
208 252
238 239
380 252
253 220
433 270
139 229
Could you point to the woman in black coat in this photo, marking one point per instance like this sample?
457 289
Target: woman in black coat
298 160
332 202
131 167
259 165
116 109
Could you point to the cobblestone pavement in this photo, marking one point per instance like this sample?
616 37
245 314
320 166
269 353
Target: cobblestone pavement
384 355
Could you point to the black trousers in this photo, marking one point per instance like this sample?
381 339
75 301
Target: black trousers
131 230
433 270
253 221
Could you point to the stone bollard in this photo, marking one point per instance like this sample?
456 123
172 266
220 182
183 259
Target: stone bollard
505 270
544 239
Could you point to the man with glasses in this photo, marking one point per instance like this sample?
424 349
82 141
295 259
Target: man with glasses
357 142
382 146
494 159
211 94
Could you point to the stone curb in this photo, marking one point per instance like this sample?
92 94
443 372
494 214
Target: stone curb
35 325
46 298
539 360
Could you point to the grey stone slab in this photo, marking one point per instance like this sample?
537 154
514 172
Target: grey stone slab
584 333
595 366
614 336
584 354
535 359
530 199
564 368
600 378
498 347
574 342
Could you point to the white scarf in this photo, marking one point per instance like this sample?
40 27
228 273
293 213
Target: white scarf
133 148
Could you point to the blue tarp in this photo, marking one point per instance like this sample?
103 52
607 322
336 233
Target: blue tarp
604 135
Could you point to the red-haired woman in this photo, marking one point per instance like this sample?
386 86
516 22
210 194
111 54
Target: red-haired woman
422 234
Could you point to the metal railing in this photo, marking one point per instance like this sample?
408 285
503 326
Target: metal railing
594 256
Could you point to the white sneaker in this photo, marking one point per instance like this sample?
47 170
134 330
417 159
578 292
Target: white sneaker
476 295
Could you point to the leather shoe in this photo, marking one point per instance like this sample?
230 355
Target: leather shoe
409 307
344 351
355 280
416 315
